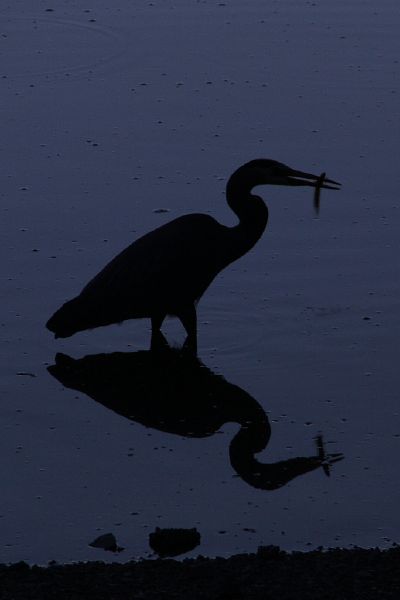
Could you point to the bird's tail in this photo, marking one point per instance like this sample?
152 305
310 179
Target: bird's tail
73 316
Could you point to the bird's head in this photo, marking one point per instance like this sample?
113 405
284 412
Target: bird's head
263 171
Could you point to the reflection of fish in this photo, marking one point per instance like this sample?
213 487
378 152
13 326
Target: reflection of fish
176 393
327 460
168 270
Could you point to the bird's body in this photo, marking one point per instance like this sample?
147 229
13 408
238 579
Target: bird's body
166 271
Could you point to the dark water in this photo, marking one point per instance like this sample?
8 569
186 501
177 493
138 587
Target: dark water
112 114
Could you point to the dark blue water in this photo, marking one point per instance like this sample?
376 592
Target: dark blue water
112 114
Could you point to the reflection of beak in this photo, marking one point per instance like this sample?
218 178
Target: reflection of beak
318 181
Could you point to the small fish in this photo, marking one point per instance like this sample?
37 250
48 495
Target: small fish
317 192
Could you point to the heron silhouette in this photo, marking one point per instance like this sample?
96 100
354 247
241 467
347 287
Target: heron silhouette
167 271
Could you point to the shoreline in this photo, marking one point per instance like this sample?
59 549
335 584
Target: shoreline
324 574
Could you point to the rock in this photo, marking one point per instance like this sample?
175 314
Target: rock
172 542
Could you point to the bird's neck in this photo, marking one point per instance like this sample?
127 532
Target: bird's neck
251 211
251 439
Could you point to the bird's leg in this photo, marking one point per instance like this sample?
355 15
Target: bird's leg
188 318
156 322
158 342
157 338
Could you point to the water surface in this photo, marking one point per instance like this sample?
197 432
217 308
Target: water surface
115 112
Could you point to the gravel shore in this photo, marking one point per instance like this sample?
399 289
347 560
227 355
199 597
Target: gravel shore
355 574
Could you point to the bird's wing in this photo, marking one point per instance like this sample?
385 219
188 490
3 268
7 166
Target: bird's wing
177 260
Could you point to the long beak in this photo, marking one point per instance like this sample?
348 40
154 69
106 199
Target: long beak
316 181
300 178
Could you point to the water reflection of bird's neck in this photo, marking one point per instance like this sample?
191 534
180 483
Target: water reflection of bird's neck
253 437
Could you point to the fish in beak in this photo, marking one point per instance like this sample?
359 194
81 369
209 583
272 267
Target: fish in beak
294 177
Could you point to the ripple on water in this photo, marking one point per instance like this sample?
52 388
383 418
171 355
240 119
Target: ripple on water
229 326
43 47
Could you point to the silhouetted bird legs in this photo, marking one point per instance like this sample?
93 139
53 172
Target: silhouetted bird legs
158 342
156 322
157 338
188 318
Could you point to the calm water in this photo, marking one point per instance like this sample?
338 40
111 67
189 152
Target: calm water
112 113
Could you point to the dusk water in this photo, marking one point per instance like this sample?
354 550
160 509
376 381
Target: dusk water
119 118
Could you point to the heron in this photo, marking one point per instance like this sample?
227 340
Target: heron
166 271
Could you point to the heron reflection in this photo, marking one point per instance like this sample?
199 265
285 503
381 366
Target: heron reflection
176 393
